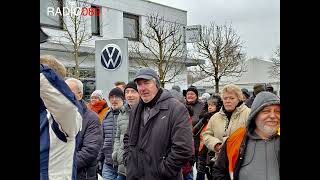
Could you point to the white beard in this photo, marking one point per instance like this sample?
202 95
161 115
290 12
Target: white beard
269 130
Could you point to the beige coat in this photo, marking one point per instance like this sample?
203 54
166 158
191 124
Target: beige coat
216 126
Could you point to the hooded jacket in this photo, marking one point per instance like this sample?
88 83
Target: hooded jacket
247 156
166 144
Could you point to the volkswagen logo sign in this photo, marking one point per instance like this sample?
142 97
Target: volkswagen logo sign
111 57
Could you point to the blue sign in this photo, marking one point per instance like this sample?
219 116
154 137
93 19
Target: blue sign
111 57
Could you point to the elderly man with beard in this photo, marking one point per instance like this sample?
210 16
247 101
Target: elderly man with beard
253 152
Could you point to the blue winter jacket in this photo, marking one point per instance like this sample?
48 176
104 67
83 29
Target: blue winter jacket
60 122
109 128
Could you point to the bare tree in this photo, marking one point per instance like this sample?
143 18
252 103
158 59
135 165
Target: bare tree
195 74
161 45
76 32
222 47
275 68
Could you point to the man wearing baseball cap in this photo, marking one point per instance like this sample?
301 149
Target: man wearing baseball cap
159 137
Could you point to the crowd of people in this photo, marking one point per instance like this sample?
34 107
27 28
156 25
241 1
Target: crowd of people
147 132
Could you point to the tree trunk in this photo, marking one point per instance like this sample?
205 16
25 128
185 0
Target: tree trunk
162 84
216 84
76 68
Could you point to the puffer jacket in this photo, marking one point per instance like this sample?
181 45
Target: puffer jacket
215 132
166 145
118 148
197 108
109 129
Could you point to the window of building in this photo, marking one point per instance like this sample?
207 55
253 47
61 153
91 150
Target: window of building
49 18
131 75
89 85
95 21
131 27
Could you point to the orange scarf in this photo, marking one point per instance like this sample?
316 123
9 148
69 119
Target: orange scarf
97 106
233 147
201 137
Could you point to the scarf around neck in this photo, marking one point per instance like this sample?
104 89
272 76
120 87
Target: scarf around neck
98 106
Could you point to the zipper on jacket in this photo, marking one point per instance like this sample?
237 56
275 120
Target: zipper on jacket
265 146
112 140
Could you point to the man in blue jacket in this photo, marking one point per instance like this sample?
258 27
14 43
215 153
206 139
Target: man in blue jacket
60 122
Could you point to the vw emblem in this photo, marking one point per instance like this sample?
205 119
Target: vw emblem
111 57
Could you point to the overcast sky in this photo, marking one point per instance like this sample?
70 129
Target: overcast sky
256 21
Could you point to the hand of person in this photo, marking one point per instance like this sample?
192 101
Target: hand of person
114 156
206 117
99 169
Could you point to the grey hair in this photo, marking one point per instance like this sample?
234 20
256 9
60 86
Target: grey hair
157 82
78 82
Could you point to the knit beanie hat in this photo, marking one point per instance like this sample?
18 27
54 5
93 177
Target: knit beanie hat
97 93
132 85
245 92
117 92
258 88
193 89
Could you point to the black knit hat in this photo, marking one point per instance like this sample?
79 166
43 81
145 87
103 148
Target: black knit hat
132 85
117 92
194 89
245 92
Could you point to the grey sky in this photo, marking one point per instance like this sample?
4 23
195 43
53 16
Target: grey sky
256 21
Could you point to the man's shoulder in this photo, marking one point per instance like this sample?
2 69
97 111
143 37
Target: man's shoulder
174 103
91 116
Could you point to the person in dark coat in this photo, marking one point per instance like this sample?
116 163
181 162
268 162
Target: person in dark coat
158 140
257 88
246 94
90 138
192 99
